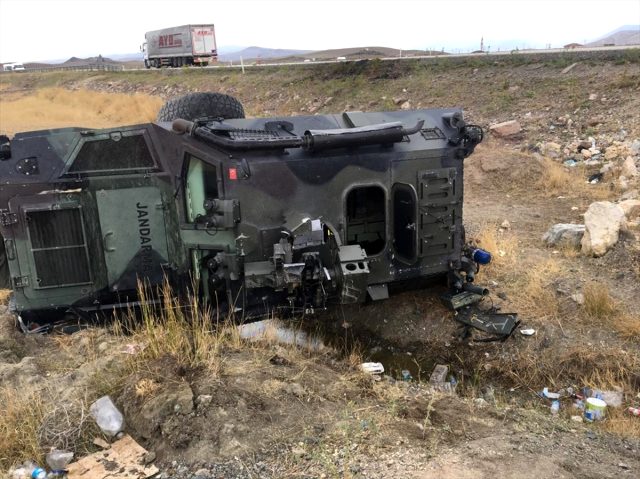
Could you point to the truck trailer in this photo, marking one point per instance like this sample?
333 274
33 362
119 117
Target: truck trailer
180 46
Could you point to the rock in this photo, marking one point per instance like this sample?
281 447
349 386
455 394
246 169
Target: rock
576 418
564 234
406 105
505 225
578 298
593 97
602 221
630 195
631 208
583 145
400 100
506 129
629 168
480 403
149 457
202 472
551 149
586 154
607 167
635 147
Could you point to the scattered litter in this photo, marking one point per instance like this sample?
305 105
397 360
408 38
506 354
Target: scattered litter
555 407
28 470
124 460
570 162
549 395
271 329
576 418
406 375
107 416
57 460
595 178
612 398
439 374
133 348
634 411
528 332
372 368
594 409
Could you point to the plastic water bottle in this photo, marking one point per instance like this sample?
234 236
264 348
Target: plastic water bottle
555 407
107 415
38 473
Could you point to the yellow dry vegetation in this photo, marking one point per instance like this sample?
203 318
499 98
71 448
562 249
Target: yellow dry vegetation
57 108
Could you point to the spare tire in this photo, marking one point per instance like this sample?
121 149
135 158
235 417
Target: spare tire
199 105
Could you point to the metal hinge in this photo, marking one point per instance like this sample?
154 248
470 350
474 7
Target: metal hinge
20 281
7 218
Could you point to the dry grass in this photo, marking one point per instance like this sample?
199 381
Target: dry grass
559 180
184 332
627 325
621 423
598 303
4 296
56 108
21 414
502 244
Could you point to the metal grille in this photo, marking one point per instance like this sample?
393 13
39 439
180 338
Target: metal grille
59 247
432 133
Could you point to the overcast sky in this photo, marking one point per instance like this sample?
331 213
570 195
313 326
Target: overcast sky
57 29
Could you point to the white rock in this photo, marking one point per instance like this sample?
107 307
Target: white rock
629 168
631 208
506 129
564 233
505 225
602 221
593 97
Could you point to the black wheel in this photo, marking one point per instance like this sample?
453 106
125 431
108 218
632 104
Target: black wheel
199 105
146 64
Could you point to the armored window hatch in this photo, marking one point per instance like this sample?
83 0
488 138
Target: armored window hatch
113 153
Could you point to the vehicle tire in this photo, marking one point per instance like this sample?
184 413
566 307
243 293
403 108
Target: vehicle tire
146 64
199 105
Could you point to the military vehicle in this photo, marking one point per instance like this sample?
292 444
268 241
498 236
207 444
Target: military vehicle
261 214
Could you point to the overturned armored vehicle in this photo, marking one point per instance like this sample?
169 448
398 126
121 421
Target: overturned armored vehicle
258 213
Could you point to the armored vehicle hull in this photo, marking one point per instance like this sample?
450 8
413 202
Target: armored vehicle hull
255 214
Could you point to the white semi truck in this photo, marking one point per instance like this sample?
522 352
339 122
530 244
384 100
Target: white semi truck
180 46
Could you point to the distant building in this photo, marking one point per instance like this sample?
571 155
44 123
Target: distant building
571 46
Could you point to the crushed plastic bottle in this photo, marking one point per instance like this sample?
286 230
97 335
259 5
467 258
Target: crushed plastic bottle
57 460
555 407
107 416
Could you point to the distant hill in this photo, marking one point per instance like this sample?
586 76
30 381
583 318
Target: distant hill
625 35
259 52
355 53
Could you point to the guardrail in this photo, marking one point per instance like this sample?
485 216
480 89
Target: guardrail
88 67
